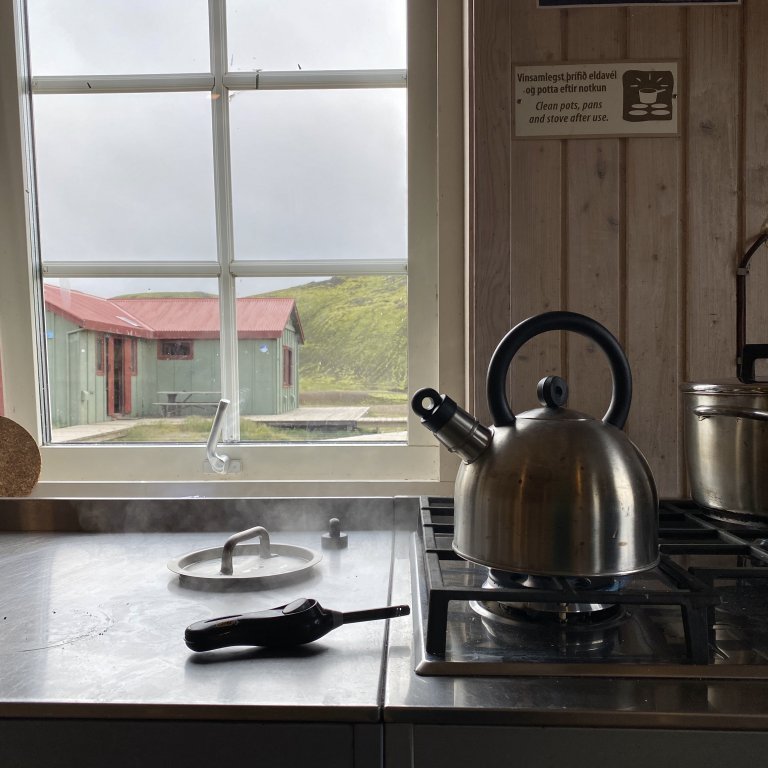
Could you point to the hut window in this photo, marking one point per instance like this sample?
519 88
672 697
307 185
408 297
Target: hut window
287 367
100 355
174 350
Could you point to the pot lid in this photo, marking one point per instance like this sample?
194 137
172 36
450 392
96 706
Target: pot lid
725 387
251 565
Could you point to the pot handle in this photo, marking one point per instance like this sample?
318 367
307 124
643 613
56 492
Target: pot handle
733 411
621 397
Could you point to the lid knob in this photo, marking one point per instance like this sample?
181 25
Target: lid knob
552 391
335 538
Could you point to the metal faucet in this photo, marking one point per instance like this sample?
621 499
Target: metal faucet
219 462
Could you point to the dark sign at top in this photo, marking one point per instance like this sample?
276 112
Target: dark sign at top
588 3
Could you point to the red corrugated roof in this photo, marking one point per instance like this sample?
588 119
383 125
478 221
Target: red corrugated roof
173 318
94 313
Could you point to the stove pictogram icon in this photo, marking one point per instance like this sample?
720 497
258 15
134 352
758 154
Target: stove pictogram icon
648 95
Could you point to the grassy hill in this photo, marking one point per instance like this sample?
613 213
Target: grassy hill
355 333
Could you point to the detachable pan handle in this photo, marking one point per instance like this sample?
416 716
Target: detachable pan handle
750 353
746 354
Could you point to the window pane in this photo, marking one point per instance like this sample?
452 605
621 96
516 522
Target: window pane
307 34
108 37
319 174
132 359
125 177
323 359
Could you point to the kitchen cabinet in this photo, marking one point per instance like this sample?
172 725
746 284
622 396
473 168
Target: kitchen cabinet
84 743
499 747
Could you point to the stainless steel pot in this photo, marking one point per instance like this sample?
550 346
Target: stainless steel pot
726 445
726 425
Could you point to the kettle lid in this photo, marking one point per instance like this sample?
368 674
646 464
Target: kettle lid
552 392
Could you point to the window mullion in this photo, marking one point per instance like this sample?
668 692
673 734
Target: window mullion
121 83
316 79
318 267
230 387
131 269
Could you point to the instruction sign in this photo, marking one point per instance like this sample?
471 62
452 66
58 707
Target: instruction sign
582 100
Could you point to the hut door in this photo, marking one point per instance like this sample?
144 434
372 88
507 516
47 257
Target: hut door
118 377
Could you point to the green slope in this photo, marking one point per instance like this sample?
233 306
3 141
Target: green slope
355 333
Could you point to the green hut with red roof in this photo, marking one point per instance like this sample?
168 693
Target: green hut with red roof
151 357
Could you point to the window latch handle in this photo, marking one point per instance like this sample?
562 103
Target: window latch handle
219 462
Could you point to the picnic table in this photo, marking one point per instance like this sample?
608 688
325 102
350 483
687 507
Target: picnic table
178 401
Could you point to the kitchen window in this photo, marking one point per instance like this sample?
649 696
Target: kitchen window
260 159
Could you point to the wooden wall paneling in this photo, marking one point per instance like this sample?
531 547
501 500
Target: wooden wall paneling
755 24
489 265
713 186
594 216
653 306
535 214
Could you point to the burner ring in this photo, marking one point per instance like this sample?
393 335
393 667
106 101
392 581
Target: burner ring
600 616
502 580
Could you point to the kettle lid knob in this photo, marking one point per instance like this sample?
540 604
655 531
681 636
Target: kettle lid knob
552 391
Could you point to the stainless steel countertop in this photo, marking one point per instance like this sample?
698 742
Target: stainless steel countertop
92 625
92 622
643 702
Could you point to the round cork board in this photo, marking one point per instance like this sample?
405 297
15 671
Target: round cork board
19 459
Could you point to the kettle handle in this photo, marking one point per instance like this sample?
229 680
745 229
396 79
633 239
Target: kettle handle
621 396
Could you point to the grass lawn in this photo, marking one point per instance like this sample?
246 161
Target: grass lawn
195 429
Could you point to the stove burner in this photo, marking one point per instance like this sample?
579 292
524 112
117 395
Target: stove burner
571 634
570 613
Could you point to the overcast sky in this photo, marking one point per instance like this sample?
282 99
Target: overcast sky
316 174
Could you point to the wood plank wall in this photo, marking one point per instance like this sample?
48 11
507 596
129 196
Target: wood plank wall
643 234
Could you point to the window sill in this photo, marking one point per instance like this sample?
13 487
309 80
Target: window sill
238 489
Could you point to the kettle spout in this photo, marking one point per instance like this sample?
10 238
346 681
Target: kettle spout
456 429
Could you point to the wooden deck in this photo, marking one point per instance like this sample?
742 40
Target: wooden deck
338 418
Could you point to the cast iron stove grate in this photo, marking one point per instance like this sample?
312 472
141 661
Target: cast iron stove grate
675 624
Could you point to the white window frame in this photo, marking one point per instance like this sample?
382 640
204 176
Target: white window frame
436 213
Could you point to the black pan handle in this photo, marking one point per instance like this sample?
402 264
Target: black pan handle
621 397
296 623
746 354
750 354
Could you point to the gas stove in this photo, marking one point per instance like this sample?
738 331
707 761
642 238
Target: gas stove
701 613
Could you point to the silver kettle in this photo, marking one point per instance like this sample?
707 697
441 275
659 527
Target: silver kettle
550 491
